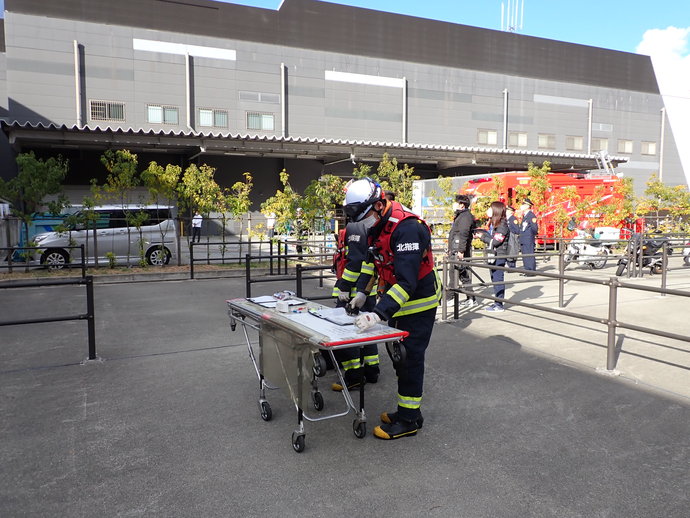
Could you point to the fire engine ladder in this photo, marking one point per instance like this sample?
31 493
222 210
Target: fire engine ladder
605 167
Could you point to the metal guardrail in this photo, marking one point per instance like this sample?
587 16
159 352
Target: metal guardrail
299 276
277 256
610 321
7 262
89 316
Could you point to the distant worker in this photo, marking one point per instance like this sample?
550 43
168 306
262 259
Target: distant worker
400 252
270 224
528 234
496 239
514 239
352 252
196 226
300 231
460 243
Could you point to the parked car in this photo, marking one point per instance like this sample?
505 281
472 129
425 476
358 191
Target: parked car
153 241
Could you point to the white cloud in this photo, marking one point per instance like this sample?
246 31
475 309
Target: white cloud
670 52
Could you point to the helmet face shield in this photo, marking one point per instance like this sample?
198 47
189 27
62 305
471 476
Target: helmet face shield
360 197
356 211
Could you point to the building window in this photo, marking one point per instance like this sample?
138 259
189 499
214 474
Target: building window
648 148
600 144
517 139
260 121
157 114
107 111
625 146
259 97
546 141
487 137
574 143
209 118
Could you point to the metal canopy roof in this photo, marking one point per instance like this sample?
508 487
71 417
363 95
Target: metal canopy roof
328 151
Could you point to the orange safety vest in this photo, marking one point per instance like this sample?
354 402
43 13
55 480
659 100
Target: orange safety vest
340 255
383 260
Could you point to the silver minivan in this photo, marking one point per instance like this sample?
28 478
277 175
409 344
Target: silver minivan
154 241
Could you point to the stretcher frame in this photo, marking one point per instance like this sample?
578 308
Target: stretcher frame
287 341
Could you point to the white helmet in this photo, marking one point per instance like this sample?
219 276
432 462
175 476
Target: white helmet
360 195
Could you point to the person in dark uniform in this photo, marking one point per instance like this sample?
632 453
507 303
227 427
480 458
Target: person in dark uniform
400 252
528 234
514 239
460 242
356 249
496 239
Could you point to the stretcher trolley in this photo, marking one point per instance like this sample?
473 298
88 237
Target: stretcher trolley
291 348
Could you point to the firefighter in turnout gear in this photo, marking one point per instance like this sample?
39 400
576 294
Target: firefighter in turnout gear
400 253
352 251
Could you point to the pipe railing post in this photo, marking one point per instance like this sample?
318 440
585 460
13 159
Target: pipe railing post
640 257
611 323
191 260
270 256
298 280
454 275
247 275
664 265
83 263
561 271
285 257
444 300
90 315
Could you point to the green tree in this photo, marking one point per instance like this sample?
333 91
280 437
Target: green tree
162 184
482 203
199 190
37 179
443 197
121 180
321 197
238 204
283 204
391 177
87 218
674 200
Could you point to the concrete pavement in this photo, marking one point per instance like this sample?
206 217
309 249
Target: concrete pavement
519 422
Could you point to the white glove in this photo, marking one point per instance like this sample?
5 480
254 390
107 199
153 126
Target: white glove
343 296
358 301
366 321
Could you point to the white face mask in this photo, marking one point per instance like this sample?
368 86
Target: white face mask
369 221
456 206
489 212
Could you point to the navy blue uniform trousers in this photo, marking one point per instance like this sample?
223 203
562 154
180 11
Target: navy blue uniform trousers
411 373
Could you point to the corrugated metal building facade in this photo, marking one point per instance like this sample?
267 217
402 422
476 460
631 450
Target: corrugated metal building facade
313 86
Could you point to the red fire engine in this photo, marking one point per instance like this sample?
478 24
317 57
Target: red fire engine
597 190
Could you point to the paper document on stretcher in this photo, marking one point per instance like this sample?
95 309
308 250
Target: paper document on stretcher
336 315
268 301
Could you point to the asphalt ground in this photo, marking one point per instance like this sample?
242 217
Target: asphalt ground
518 420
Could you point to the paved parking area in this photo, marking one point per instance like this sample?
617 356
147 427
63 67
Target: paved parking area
167 423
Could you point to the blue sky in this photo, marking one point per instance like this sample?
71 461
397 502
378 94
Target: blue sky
612 24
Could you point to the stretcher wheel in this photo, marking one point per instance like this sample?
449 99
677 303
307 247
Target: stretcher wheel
360 428
266 412
396 350
320 366
297 442
318 400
